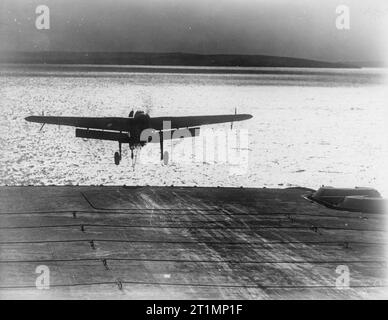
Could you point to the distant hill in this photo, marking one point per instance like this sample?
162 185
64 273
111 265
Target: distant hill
369 64
163 59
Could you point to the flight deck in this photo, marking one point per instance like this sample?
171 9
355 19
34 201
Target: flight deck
119 242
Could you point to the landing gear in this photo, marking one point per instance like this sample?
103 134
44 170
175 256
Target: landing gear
134 152
161 145
163 154
118 155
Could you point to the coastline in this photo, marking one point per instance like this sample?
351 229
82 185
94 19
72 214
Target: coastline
176 69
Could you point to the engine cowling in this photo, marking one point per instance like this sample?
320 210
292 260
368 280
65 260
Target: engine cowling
142 119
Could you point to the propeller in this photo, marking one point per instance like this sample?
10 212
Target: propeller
43 123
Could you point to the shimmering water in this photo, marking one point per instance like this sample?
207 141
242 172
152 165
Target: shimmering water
310 126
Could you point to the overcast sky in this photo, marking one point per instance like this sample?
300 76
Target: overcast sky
296 28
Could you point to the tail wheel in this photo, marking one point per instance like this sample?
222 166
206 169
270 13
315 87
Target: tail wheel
117 158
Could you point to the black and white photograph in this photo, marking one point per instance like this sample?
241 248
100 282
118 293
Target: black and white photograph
189 150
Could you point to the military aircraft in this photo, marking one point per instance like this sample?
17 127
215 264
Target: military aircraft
138 128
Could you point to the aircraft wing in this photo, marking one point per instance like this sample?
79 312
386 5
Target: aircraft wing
123 124
195 121
118 124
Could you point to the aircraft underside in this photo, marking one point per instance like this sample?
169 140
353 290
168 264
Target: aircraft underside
138 129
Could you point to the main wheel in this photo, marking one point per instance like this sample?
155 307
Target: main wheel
117 158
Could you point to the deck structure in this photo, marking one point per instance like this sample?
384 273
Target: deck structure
186 243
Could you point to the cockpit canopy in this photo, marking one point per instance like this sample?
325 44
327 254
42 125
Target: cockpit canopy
142 118
137 114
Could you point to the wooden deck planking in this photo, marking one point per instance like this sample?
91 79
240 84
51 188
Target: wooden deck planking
185 243
191 273
316 253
